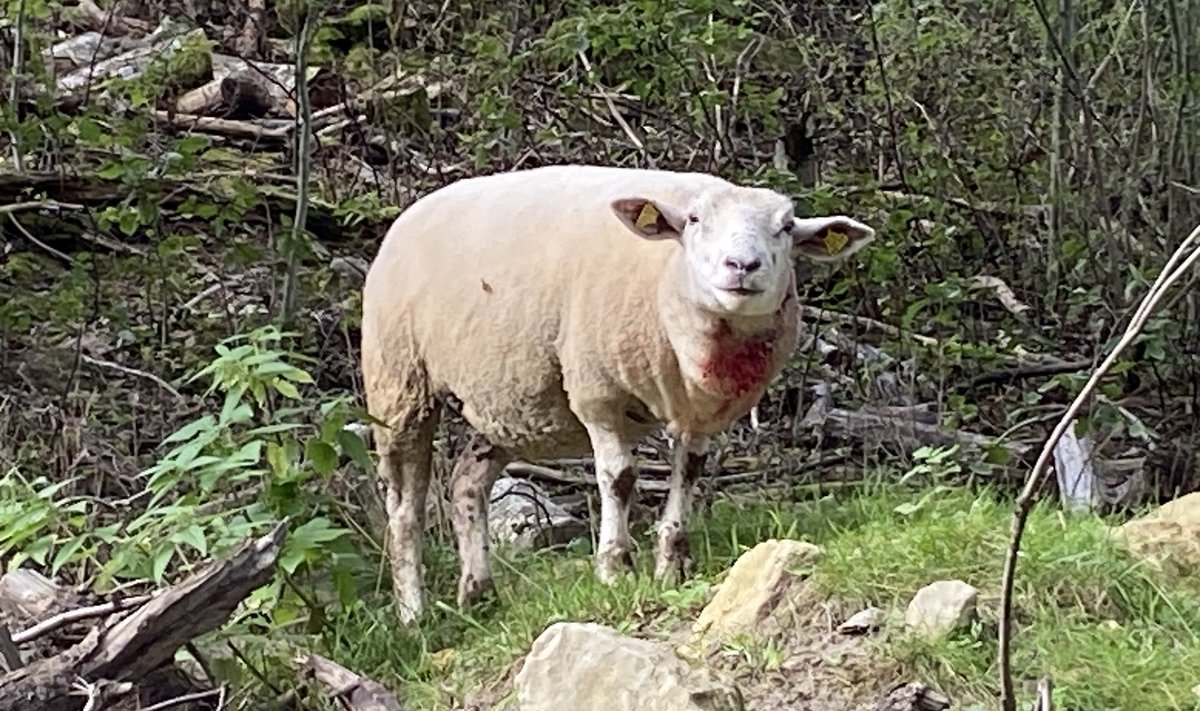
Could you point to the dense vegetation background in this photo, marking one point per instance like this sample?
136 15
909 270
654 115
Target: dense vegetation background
178 340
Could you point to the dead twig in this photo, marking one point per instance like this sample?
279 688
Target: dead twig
65 618
821 314
1171 273
38 205
29 236
132 371
186 698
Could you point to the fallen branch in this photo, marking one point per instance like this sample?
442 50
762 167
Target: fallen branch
37 205
82 613
111 23
1168 276
110 659
820 314
352 691
1024 372
132 371
908 432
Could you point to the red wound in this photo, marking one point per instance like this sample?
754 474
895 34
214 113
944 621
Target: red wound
738 365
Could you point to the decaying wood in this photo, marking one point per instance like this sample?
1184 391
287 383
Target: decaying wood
352 691
9 654
27 596
887 425
249 43
65 618
146 639
913 696
279 80
109 22
238 95
163 43
82 50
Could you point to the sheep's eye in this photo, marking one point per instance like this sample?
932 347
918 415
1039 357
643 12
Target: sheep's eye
693 219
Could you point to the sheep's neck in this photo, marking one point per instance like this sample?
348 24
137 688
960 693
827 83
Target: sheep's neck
735 364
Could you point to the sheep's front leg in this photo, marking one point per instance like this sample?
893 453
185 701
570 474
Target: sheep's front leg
672 555
617 476
470 489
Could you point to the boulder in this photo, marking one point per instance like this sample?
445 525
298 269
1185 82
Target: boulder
1168 537
590 667
760 581
941 608
522 515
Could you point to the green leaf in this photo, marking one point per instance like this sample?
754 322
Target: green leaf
194 537
353 446
161 560
286 389
323 457
66 553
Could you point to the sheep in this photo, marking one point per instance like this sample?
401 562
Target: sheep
528 296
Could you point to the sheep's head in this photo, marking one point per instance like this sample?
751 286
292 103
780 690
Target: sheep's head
739 242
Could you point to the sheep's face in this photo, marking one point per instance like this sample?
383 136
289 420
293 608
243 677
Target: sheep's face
739 243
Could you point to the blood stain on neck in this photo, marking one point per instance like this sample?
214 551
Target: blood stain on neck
738 364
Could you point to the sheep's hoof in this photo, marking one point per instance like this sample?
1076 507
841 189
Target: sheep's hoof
673 561
472 590
611 564
408 611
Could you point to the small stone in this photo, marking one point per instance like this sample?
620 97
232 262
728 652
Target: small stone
941 608
1196 691
1169 536
523 516
590 667
862 621
760 580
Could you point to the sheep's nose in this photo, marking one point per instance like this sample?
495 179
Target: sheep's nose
745 267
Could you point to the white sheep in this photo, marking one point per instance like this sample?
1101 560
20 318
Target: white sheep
529 297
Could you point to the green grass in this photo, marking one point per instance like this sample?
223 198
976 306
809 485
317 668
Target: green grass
1110 633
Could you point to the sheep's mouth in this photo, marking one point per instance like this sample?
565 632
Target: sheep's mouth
742 291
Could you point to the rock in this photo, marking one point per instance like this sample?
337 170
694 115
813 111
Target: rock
1196 691
862 621
1169 537
759 581
940 608
590 667
522 515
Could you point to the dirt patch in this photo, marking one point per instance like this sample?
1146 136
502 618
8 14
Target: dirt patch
809 664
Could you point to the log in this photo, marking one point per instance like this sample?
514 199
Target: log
352 691
888 425
112 658
241 95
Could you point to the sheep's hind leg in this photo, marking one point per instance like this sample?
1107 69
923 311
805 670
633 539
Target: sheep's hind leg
470 490
672 555
617 476
404 462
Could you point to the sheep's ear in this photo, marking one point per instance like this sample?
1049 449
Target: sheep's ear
649 218
829 239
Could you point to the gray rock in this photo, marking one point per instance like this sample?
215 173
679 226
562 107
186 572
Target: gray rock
862 621
521 515
940 608
590 667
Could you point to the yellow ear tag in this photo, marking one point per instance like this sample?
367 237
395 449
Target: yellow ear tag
648 216
835 241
